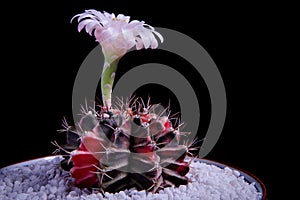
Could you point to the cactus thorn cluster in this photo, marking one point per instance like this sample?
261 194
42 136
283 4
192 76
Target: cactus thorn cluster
129 146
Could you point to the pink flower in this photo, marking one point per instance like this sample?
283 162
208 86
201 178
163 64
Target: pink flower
117 34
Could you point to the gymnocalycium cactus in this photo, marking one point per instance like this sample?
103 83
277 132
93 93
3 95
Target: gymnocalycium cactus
128 145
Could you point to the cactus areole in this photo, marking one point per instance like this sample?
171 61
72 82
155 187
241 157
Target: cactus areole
125 145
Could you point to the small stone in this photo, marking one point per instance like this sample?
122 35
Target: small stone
13 195
26 170
61 182
2 187
121 195
22 196
8 189
35 198
51 197
236 173
30 190
33 177
178 197
99 195
135 197
132 192
73 193
53 189
142 194
182 188
163 197
42 196
54 182
42 188
168 192
76 189
61 189
8 182
36 187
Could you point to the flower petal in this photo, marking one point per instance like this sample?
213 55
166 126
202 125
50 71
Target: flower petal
145 37
91 26
159 36
154 43
129 37
139 43
123 17
147 26
83 23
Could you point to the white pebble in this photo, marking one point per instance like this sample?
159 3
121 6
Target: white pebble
236 173
51 197
35 198
168 192
61 182
73 193
136 197
142 194
36 187
32 177
53 189
182 188
8 182
26 170
99 196
13 195
132 192
54 181
227 170
42 196
8 189
92 197
22 196
121 195
30 190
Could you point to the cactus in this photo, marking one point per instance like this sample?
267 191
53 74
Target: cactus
129 145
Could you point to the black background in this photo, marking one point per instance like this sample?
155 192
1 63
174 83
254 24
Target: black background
43 52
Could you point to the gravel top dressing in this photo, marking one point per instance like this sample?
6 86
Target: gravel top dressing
44 180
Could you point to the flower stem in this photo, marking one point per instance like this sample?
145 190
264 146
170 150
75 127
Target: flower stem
107 80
